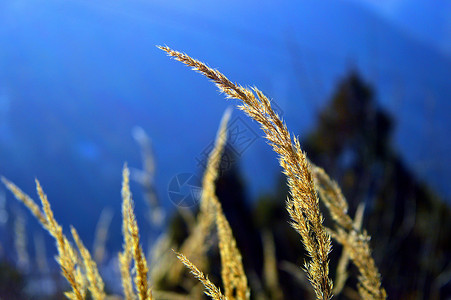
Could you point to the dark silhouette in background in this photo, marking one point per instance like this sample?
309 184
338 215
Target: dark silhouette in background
410 225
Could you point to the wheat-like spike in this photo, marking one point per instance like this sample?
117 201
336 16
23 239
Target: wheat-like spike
211 290
141 281
195 245
232 272
354 241
303 205
95 281
26 200
126 256
141 269
125 259
67 257
332 197
357 246
342 274
214 160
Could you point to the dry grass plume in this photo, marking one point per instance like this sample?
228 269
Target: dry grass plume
211 290
355 241
303 204
132 247
304 179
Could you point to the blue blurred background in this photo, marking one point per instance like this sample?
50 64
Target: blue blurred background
77 76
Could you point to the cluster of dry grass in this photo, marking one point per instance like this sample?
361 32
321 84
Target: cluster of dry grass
305 182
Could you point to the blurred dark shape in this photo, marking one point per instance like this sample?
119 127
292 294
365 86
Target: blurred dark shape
12 282
409 224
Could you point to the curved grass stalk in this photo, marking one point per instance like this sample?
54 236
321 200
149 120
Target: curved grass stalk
67 257
355 241
303 205
132 247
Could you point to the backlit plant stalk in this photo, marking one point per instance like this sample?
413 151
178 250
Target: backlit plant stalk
303 203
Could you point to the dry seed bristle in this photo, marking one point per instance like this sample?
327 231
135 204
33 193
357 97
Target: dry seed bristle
303 205
232 271
195 245
95 281
27 201
332 197
342 274
211 289
67 257
355 242
132 247
126 256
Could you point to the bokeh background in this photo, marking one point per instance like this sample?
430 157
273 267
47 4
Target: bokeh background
365 85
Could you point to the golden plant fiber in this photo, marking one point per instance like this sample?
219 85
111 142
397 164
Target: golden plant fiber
132 244
126 256
95 281
71 263
195 245
303 203
26 200
211 290
232 272
341 273
305 182
355 241
333 198
67 257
